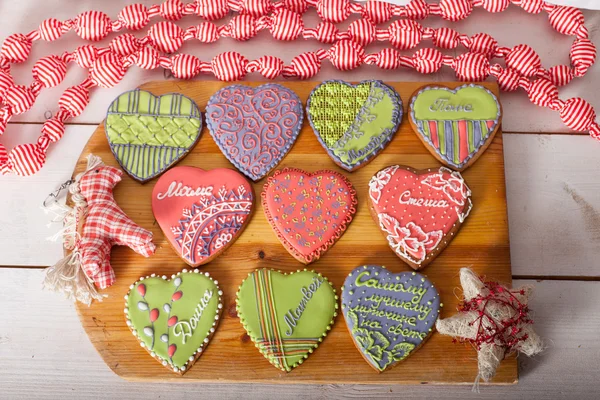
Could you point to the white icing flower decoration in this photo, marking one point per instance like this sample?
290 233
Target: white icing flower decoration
379 181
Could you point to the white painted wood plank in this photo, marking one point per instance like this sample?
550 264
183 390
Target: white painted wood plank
44 353
553 192
23 223
591 4
510 28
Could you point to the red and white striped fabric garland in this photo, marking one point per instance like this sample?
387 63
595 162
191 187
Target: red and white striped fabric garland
283 19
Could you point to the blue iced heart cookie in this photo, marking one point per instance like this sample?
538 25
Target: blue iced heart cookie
254 127
388 315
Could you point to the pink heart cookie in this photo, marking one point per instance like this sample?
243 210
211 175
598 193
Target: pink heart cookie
419 212
202 212
309 212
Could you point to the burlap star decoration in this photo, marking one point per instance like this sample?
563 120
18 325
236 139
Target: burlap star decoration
495 319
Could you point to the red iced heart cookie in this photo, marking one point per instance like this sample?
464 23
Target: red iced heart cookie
202 212
308 211
419 212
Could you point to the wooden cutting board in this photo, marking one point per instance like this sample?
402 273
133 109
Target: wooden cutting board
482 244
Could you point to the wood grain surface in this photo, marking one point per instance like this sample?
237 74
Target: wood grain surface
482 244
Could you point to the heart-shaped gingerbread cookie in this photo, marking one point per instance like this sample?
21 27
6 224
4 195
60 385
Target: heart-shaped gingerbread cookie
254 127
354 122
148 134
308 211
388 315
175 318
419 212
455 125
202 212
286 315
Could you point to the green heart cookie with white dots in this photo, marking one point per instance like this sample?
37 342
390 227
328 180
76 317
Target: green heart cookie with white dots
148 134
286 315
175 318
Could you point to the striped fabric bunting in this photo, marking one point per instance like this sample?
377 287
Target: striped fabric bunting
158 48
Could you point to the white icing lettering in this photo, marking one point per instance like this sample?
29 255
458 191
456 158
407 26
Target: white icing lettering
444 105
406 198
178 189
185 329
292 316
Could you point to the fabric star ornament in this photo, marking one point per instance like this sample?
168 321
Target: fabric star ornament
495 319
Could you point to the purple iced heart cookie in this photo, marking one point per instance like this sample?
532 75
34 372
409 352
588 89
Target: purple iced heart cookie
388 315
254 127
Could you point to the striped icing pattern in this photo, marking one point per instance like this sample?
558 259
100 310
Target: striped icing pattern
459 139
148 134
457 136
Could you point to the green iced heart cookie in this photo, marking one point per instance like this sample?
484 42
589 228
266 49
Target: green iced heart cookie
286 316
456 125
174 319
148 134
354 123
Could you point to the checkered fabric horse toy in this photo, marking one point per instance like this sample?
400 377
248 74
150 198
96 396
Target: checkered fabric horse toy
102 224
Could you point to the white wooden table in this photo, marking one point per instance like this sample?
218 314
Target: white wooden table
553 185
